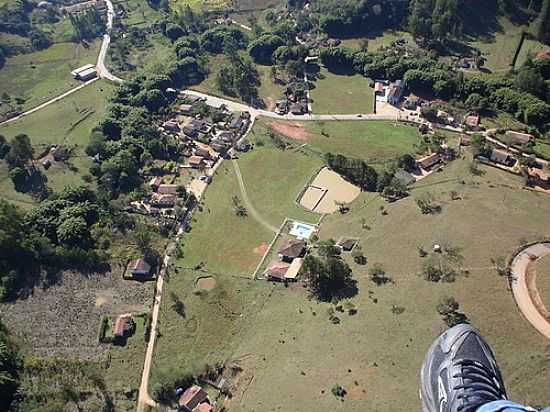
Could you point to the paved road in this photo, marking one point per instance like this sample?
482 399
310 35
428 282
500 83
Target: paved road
250 207
51 101
520 289
102 70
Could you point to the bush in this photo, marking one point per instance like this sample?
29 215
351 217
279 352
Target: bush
103 326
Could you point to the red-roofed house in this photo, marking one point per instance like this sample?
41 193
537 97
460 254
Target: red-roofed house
429 161
140 268
543 54
291 249
192 397
276 270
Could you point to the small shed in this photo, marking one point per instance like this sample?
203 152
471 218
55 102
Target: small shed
140 268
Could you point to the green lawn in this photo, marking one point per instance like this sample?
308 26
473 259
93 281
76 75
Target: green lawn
341 94
138 13
227 244
530 47
67 122
274 179
376 42
42 75
204 5
376 354
542 149
375 141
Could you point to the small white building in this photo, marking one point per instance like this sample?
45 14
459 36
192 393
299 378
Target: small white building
85 73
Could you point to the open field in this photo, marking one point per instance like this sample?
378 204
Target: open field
274 179
67 122
375 354
138 13
543 280
268 91
376 42
376 142
63 319
204 5
341 94
42 75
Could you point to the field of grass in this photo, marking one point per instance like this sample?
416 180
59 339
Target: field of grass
42 75
341 94
542 149
138 13
543 280
376 142
530 47
229 247
67 122
376 354
268 91
204 5
274 179
376 42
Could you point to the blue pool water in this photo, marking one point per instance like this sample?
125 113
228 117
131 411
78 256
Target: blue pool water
302 230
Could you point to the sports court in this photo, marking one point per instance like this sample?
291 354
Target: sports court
326 191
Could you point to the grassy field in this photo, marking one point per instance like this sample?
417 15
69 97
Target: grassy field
375 142
543 280
376 354
138 13
42 75
341 94
376 42
274 179
268 91
530 47
204 5
230 246
67 122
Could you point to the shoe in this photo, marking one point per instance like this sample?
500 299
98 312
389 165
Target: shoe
460 373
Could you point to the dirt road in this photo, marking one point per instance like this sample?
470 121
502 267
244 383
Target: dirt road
520 288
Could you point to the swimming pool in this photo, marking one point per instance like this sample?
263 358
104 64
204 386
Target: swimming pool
302 230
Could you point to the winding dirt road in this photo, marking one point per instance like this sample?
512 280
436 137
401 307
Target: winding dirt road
520 286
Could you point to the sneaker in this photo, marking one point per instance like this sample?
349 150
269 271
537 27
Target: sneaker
459 373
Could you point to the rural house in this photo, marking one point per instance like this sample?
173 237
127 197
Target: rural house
472 121
140 268
192 398
291 249
502 157
518 138
429 161
123 328
395 93
538 177
346 244
276 271
196 162
171 126
167 189
155 182
166 200
185 109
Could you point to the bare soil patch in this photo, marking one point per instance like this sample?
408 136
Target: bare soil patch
261 249
207 283
356 393
293 130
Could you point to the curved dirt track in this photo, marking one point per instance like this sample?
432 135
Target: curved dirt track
520 288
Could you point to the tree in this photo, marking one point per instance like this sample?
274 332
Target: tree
10 366
21 151
174 31
73 232
448 308
328 248
261 49
4 147
427 203
328 278
143 238
530 80
18 176
378 275
408 163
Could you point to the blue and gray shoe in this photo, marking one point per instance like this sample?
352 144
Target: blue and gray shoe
459 373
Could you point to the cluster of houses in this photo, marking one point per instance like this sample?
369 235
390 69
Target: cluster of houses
204 141
295 101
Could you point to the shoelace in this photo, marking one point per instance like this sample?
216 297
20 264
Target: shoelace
480 384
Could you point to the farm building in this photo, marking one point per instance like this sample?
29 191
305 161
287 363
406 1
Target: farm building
167 189
429 161
346 244
276 271
85 73
163 200
539 177
196 161
124 326
140 268
502 157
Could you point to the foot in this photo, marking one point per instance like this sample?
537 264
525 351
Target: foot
459 373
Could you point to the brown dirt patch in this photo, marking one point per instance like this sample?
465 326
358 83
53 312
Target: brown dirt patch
355 393
207 283
269 103
293 130
260 250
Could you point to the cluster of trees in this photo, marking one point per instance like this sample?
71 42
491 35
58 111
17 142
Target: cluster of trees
352 17
19 153
88 24
448 308
10 368
356 171
329 278
54 235
523 95
15 19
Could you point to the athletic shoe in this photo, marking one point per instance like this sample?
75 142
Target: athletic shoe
459 373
